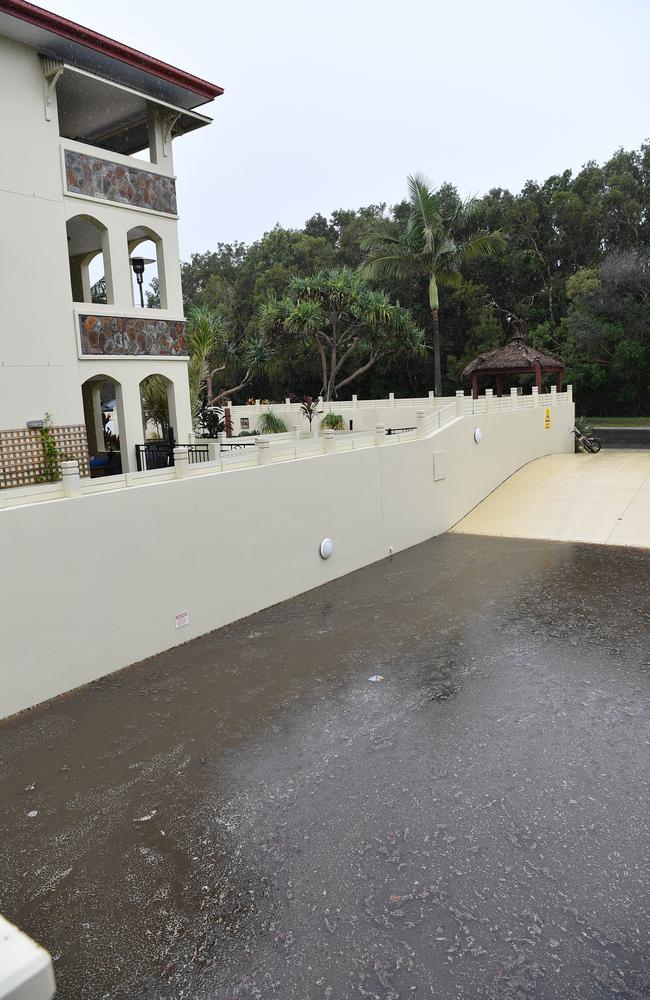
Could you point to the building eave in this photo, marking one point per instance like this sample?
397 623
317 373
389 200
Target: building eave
89 42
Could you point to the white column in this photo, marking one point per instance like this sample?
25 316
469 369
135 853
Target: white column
98 422
296 430
569 394
214 450
328 442
489 399
120 269
391 399
460 402
355 400
535 395
432 395
71 480
181 462
263 448
553 395
380 434
169 273
178 402
514 399
129 418
419 420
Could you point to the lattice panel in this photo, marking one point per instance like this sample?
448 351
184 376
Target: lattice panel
21 454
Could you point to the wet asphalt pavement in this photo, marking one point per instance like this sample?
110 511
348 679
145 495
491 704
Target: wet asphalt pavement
247 816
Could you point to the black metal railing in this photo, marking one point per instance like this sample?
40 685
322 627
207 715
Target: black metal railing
225 445
399 430
160 455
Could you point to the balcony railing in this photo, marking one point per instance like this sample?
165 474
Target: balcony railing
131 336
121 182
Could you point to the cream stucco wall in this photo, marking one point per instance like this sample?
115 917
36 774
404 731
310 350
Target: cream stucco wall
96 581
41 369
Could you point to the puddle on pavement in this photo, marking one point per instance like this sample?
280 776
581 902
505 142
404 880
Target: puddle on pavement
248 816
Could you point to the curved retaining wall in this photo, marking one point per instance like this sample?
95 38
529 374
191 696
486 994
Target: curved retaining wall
94 583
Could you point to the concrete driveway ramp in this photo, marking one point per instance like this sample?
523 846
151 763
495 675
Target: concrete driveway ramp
604 499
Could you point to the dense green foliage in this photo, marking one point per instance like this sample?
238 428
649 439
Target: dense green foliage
575 269
332 422
51 467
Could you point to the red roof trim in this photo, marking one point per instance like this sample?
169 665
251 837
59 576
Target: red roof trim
108 46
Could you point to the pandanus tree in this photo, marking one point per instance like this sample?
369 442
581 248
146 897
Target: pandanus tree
433 244
351 326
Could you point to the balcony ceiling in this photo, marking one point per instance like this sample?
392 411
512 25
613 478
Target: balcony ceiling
83 237
111 116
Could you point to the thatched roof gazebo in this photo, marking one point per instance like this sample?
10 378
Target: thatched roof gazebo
515 358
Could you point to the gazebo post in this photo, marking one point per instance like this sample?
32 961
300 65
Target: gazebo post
499 385
474 385
538 377
559 381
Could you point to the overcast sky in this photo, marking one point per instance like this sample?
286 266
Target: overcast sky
331 105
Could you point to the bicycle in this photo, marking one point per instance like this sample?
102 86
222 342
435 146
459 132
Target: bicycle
590 444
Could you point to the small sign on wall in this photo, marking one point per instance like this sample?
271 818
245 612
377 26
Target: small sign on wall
244 423
547 419
182 618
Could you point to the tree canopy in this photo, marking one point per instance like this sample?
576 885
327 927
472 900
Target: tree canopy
565 239
350 326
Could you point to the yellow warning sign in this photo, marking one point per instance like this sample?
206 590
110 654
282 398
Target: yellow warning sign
547 419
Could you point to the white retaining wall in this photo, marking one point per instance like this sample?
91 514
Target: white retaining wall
93 583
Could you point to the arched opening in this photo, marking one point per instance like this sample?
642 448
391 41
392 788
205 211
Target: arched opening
104 418
158 423
88 256
155 391
147 268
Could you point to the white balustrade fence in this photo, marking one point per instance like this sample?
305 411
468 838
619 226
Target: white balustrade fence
291 446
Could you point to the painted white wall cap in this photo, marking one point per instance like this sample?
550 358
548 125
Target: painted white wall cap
26 971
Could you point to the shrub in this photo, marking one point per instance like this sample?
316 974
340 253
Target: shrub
271 423
332 422
50 470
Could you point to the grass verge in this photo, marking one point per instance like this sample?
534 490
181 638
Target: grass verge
619 421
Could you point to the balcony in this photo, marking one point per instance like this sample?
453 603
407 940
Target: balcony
90 174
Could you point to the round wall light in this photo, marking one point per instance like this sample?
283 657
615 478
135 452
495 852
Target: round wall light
478 434
326 548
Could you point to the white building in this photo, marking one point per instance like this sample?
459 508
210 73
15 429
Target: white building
86 185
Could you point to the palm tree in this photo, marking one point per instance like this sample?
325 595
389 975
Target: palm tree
203 327
431 246
212 352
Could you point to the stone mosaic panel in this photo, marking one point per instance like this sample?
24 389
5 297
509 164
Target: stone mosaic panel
97 178
21 453
118 335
